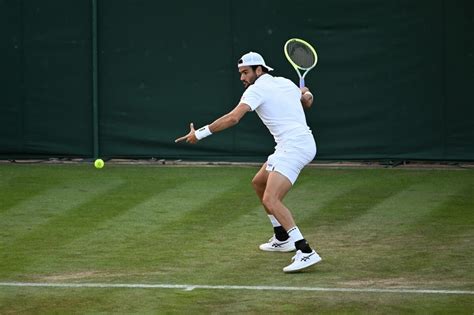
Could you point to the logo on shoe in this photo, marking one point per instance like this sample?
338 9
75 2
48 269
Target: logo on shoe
279 244
305 258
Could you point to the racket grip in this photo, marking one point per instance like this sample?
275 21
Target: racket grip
301 82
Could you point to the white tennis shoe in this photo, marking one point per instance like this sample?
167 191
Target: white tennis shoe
302 260
274 245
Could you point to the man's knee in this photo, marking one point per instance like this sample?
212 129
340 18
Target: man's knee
269 201
258 183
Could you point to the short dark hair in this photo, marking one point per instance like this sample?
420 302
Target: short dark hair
264 69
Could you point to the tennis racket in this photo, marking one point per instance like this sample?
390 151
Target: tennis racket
302 56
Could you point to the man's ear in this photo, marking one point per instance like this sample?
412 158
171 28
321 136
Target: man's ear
258 71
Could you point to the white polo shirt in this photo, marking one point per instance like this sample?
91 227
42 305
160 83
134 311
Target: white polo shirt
277 102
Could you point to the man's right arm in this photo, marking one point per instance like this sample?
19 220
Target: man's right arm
230 119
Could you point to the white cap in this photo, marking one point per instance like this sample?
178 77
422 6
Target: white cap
252 59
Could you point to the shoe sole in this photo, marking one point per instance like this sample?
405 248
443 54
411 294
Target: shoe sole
302 268
273 249
278 250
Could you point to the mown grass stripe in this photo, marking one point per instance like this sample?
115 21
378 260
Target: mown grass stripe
37 210
71 223
146 225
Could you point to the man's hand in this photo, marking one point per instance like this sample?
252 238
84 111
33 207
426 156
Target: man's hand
190 137
306 98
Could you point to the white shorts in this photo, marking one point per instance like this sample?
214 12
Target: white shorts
289 159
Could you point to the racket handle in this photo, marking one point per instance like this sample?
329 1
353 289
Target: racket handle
301 82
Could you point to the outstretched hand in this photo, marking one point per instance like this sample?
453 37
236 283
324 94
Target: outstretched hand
190 137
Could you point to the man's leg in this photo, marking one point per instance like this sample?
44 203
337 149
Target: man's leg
279 241
277 187
259 182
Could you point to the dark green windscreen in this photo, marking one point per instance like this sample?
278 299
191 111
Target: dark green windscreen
393 79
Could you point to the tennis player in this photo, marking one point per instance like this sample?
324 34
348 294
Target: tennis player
279 104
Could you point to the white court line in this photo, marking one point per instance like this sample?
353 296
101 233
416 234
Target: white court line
190 287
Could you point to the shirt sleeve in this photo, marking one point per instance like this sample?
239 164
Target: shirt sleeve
252 98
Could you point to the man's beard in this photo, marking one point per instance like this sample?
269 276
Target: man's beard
249 83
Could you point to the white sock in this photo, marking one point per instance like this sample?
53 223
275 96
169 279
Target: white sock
274 221
295 234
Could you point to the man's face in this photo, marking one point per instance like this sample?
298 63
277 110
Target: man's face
247 76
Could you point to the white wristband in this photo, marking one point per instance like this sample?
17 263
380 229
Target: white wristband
203 132
308 92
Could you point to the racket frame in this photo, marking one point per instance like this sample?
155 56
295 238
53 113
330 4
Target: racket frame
298 68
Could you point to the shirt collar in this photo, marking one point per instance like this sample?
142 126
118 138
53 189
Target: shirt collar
263 75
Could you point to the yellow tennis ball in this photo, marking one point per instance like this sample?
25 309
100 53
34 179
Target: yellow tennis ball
99 163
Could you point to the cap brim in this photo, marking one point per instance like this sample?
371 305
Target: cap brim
250 64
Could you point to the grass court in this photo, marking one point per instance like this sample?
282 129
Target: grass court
379 228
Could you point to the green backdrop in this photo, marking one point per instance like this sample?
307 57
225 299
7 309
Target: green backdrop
393 79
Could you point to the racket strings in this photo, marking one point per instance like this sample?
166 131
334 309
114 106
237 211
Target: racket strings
301 54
